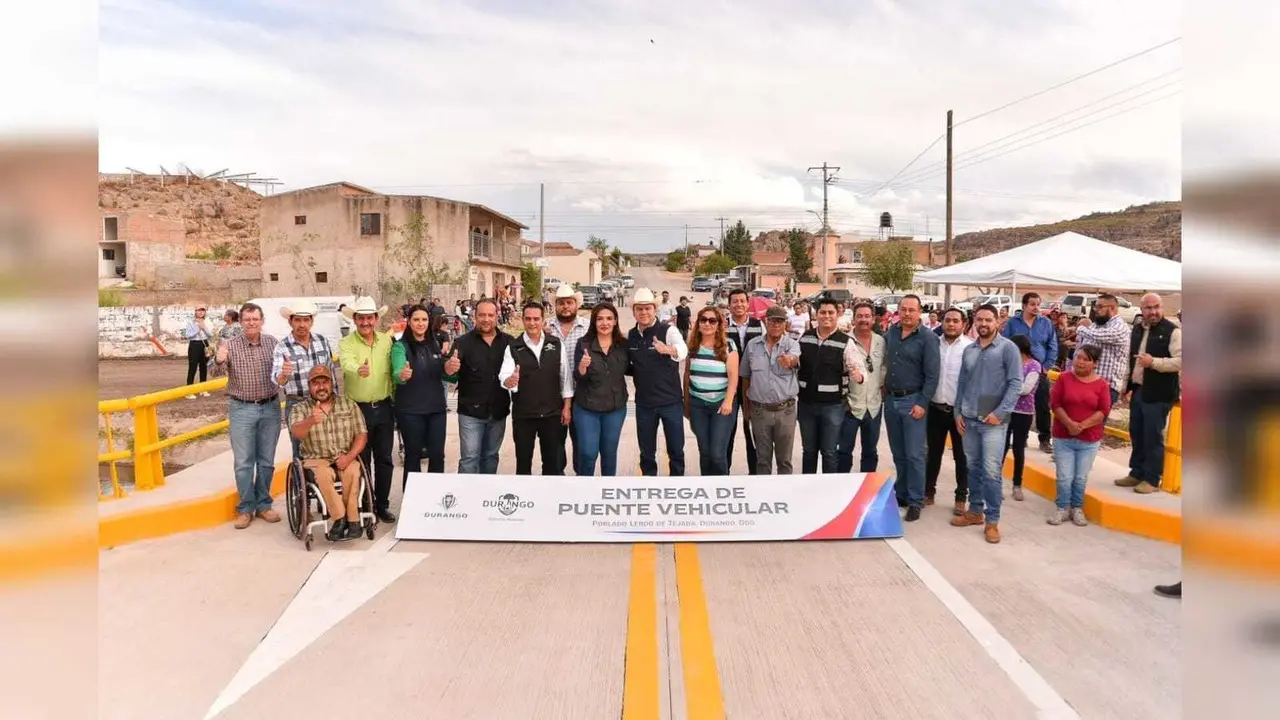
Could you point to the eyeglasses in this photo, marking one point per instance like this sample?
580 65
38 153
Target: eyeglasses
709 320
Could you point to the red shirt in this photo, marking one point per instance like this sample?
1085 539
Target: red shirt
1080 400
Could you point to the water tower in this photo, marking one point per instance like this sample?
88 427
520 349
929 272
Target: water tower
886 226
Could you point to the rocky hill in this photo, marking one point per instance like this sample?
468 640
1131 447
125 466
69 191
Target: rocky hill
216 215
1154 228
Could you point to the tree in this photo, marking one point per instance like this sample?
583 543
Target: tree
531 281
737 244
408 269
600 247
616 256
888 265
675 261
798 254
714 264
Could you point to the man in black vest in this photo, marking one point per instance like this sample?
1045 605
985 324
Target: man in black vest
1155 370
539 407
820 412
742 329
656 351
483 404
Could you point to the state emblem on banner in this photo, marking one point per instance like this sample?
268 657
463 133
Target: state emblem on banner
448 502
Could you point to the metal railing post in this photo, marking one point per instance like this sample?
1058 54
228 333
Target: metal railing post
148 472
1172 481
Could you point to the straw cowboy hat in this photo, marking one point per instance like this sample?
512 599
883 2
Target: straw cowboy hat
363 306
304 308
643 296
565 291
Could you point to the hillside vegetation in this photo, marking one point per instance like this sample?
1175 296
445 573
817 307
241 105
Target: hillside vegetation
212 213
1154 228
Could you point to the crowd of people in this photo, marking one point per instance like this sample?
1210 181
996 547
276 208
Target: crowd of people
836 375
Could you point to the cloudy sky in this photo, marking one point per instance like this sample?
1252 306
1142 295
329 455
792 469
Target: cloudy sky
642 116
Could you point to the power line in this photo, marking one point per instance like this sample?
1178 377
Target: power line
928 170
1068 82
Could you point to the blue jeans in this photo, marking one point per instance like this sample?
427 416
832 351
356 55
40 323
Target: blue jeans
1146 428
820 425
713 431
672 417
597 434
907 442
254 430
866 430
984 448
1073 460
479 441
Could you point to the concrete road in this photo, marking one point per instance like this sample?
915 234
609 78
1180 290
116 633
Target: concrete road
1053 622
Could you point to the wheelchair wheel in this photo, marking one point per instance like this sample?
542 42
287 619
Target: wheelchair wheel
295 499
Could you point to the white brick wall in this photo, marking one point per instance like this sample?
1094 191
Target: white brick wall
124 331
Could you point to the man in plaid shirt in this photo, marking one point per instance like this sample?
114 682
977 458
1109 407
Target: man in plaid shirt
568 328
1106 330
253 413
331 432
299 352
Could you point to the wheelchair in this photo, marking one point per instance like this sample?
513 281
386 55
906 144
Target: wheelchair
308 510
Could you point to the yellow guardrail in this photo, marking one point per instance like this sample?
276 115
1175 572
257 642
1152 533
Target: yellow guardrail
148 471
1172 480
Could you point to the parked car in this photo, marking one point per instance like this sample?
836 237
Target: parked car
590 295
627 281
1081 304
701 284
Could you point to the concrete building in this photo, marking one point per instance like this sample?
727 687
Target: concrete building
571 265
343 238
132 245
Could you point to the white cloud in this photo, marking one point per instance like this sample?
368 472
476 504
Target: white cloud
720 115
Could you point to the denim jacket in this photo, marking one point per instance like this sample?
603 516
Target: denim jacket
990 379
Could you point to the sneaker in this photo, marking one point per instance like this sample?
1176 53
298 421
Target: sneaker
1017 492
1058 516
204 394
1077 517
190 397
1170 591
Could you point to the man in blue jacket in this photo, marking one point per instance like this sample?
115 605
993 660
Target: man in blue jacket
1044 348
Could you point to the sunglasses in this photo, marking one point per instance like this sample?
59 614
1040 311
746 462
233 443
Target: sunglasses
709 320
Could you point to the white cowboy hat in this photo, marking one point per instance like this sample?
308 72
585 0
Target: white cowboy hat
363 306
305 308
565 291
643 296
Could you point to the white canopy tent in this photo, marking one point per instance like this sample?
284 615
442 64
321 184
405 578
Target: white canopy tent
1069 260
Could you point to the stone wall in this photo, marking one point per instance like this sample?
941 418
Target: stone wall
126 331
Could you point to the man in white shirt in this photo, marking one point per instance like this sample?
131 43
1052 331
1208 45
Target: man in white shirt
540 405
864 358
941 414
666 311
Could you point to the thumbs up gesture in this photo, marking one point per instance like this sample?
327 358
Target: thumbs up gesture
514 380
661 347
454 364
364 368
222 353
288 367
586 363
406 372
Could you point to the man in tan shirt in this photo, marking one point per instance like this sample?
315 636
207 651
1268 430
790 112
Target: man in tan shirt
331 432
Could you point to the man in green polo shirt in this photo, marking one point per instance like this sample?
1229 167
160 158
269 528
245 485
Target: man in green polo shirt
366 375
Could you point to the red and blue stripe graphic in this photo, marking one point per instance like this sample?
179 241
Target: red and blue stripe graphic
872 513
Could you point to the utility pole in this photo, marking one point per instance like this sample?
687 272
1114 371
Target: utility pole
721 234
542 225
686 246
946 299
828 177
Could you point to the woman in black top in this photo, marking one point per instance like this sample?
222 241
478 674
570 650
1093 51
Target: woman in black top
417 365
600 365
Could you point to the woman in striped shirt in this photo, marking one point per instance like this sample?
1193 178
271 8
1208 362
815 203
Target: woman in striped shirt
710 381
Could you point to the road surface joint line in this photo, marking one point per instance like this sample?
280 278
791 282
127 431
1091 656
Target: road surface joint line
1049 704
704 699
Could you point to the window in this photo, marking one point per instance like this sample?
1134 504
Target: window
275 277
299 219
370 224
108 254
110 229
322 277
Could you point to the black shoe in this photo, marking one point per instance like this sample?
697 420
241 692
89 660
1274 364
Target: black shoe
354 531
1170 591
913 513
386 516
903 503
338 530
1046 447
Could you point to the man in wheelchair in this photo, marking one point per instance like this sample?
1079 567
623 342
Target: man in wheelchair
331 433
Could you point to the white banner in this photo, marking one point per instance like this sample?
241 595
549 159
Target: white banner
747 508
